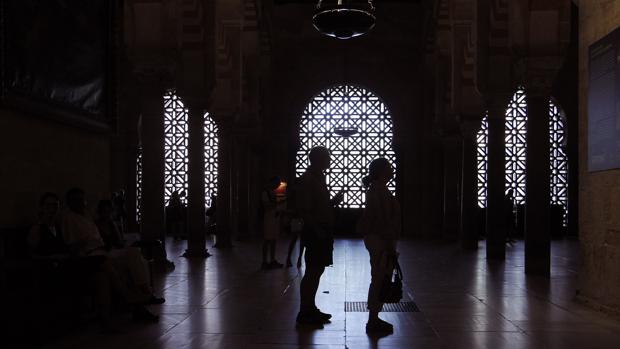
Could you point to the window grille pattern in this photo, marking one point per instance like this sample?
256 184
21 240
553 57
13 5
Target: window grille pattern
355 125
211 152
482 156
138 184
175 145
559 159
516 130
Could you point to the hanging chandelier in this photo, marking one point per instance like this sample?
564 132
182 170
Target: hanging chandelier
344 19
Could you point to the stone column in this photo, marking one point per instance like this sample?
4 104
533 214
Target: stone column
537 185
196 227
152 225
495 222
224 187
469 198
451 183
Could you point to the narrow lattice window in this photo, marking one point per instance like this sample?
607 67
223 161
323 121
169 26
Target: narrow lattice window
175 145
138 184
516 148
482 156
211 152
355 125
559 159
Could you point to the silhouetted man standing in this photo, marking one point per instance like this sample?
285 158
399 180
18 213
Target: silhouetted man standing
316 210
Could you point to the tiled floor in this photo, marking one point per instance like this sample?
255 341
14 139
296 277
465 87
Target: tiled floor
464 301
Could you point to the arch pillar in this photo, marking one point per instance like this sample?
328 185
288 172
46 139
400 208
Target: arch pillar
538 182
196 227
468 231
496 174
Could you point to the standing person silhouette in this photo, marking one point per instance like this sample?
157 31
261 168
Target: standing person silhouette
316 209
380 225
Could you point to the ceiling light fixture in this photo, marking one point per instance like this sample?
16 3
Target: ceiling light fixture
344 19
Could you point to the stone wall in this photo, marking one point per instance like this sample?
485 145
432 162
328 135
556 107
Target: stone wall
40 155
599 193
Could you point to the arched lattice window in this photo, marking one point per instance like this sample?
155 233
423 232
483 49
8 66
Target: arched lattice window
355 125
516 147
176 139
482 156
211 152
138 184
515 132
559 159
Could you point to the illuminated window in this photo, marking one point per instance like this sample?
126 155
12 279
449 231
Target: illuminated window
138 184
175 145
515 132
483 158
516 146
355 125
559 159
211 151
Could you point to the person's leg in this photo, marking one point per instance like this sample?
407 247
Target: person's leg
309 286
302 247
291 247
378 271
265 264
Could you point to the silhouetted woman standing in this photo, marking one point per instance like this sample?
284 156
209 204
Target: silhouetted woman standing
380 226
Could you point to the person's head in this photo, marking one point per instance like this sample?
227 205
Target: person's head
49 204
105 209
380 171
319 158
76 200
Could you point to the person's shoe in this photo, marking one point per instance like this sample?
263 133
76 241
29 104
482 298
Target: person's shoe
379 326
265 266
322 315
143 314
156 300
310 318
275 264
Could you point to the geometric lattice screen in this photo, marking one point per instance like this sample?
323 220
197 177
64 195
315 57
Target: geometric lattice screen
559 159
482 157
211 155
515 133
355 125
176 140
138 183
516 149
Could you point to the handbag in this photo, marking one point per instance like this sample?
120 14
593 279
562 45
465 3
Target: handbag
392 287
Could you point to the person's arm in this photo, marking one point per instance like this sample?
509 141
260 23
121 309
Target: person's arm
304 205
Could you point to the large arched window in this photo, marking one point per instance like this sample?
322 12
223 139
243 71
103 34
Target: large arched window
211 152
355 125
176 140
516 148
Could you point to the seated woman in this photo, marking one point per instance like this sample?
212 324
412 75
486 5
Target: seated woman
108 228
45 240
82 236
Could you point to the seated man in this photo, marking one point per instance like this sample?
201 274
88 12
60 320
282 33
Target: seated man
83 238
